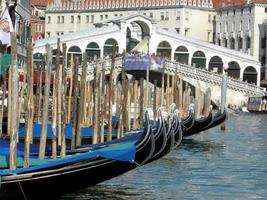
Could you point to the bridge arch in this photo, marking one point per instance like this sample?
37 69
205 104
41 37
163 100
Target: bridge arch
181 55
73 53
138 31
108 46
93 50
38 58
164 49
216 64
250 75
233 69
199 59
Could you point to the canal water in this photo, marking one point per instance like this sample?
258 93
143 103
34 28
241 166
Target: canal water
212 165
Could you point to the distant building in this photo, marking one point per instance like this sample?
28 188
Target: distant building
242 26
38 19
191 18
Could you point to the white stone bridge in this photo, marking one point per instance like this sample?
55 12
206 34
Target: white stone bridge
203 63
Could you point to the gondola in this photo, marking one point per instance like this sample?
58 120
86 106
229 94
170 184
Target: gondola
58 179
168 130
199 125
188 123
217 119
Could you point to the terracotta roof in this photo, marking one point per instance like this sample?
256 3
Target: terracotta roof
41 2
228 3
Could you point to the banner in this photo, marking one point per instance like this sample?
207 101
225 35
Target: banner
137 62
143 62
6 28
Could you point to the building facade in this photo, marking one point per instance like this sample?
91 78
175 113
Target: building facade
192 18
243 27
20 12
38 19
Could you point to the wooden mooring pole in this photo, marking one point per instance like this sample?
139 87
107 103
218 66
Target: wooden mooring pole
46 101
13 107
223 97
111 92
30 105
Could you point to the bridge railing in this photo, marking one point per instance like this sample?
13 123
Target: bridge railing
204 75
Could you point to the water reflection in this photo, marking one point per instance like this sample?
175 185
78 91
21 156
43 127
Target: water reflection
200 146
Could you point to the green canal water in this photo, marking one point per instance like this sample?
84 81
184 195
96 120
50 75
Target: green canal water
212 165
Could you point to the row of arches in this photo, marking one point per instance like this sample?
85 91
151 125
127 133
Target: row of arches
181 55
93 50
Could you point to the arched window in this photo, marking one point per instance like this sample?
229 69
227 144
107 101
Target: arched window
216 64
73 53
199 59
181 55
164 49
92 50
250 75
233 69
108 47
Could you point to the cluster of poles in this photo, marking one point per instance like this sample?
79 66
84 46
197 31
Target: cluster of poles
67 97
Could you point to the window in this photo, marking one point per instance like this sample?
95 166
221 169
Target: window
121 15
225 43
144 13
48 19
167 16
186 31
219 42
234 12
220 27
162 15
178 30
58 19
78 19
62 19
226 27
187 16
241 11
178 15
48 34
209 18
249 24
250 10
92 19
151 15
101 17
116 15
106 16
248 42
38 28
227 13
241 25
72 19
265 9
87 18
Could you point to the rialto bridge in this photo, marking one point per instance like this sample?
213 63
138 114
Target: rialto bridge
140 33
